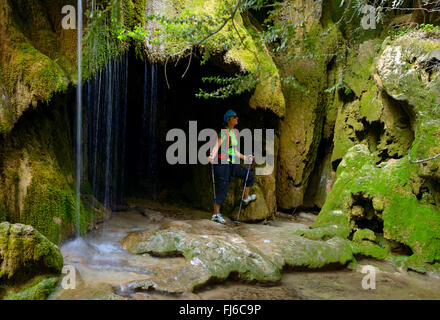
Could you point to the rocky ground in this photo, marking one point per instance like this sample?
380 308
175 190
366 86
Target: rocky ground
175 253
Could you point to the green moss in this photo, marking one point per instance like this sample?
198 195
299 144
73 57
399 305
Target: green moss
364 234
25 253
40 74
306 107
370 249
357 75
413 84
37 185
33 63
405 218
50 205
325 232
139 12
370 106
38 291
359 67
345 134
268 93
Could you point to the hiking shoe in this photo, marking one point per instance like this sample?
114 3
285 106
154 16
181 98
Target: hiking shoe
218 218
250 198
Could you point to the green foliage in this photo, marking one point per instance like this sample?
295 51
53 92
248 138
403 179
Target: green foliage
216 31
409 27
428 27
237 85
101 41
184 31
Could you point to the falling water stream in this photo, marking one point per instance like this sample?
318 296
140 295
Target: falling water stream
79 121
149 124
106 100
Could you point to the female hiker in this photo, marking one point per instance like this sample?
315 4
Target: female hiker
226 166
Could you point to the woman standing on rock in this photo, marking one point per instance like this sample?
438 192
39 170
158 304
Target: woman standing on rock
227 142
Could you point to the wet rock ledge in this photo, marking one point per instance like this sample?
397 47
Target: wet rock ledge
214 252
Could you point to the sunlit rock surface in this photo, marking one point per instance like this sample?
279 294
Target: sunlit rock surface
215 251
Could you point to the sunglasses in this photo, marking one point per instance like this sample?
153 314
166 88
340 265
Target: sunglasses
236 117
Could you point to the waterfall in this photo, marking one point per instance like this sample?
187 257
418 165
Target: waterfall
106 131
152 152
108 141
146 162
143 136
79 121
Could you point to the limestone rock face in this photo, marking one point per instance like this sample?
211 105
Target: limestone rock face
256 210
301 129
368 114
381 199
37 56
199 191
24 253
409 71
37 178
390 108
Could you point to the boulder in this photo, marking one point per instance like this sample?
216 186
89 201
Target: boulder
397 213
25 253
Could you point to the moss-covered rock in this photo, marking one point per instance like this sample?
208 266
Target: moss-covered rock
29 263
37 185
405 219
36 59
391 110
364 234
256 210
25 252
369 115
408 74
37 290
101 42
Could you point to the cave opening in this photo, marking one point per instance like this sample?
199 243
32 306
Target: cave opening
127 147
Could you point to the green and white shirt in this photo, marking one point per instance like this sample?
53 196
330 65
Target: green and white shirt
228 142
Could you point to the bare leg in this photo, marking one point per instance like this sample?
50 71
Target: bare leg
246 192
216 208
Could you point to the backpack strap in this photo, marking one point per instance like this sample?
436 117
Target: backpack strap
236 134
228 142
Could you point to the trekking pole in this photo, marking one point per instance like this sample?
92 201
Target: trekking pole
213 182
242 195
